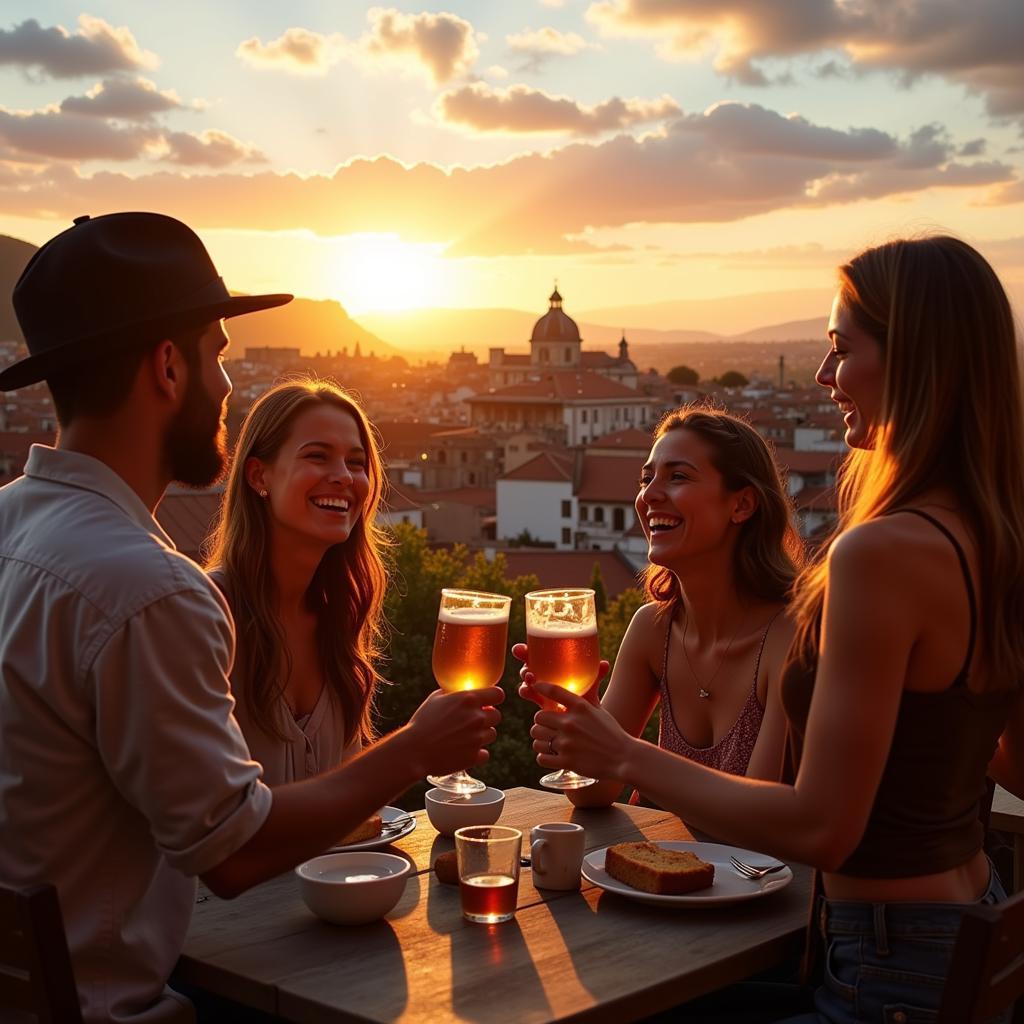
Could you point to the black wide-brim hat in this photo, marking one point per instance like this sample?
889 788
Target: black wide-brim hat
112 283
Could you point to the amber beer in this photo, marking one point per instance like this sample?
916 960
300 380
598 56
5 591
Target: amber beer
564 653
489 899
469 647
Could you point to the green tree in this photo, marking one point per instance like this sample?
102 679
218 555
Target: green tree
598 587
732 379
683 375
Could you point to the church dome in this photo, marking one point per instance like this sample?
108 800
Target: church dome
555 325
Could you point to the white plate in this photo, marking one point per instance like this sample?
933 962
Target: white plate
387 814
728 887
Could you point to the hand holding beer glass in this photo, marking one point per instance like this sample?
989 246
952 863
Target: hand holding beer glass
562 648
469 654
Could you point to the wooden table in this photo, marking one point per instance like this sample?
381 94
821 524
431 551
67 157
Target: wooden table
581 956
1008 816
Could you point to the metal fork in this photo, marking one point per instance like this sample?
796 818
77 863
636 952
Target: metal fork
395 825
752 872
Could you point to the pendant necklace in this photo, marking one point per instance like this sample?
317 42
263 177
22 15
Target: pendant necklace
703 689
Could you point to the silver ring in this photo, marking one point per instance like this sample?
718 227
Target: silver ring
551 747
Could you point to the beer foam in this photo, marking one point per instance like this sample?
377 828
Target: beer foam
557 630
473 616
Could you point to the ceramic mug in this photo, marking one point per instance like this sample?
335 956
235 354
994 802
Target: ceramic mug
556 850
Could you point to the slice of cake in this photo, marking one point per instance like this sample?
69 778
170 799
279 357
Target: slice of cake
369 829
651 868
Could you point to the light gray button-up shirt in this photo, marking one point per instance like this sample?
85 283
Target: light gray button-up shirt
123 773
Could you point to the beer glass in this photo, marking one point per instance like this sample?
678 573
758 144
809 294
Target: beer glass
561 636
469 654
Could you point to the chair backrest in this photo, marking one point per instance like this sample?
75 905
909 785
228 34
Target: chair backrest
35 968
987 973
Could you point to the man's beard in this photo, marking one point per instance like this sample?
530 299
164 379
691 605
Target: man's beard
195 446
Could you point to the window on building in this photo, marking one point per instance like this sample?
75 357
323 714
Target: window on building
463 457
583 416
584 511
568 355
442 457
618 414
472 479
566 535
566 509
618 519
599 514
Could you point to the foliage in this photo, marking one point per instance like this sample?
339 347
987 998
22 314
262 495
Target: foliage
732 379
683 375
419 572
598 587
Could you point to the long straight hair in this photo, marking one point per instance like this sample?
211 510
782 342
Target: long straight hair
346 593
950 416
768 553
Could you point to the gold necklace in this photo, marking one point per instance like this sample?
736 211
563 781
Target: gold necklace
703 690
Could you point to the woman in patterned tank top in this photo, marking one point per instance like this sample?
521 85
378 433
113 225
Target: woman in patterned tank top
710 645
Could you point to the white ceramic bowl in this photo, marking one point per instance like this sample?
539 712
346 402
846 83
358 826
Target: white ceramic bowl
352 888
449 811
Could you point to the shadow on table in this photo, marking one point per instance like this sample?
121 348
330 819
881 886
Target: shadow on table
480 954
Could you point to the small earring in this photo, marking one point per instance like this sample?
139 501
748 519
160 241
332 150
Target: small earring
264 493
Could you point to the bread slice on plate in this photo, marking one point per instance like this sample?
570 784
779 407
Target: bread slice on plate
650 868
369 829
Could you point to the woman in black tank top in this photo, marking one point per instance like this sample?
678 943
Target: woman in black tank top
904 684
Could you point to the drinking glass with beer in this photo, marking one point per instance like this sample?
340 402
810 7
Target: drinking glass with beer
488 858
562 648
469 654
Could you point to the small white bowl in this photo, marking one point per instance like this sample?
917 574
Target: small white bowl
352 888
449 811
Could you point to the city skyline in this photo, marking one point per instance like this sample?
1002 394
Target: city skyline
465 155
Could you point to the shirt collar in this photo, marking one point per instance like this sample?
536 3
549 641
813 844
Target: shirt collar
75 469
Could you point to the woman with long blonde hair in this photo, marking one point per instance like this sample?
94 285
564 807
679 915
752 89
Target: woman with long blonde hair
297 553
904 686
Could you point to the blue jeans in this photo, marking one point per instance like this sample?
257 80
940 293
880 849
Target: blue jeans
886 963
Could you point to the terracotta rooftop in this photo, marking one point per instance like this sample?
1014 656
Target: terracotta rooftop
797 461
610 478
544 467
571 568
624 440
188 517
477 497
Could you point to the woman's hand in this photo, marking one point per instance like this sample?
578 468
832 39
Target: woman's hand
529 692
583 737
452 729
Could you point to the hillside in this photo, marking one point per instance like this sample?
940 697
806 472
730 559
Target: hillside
14 254
310 325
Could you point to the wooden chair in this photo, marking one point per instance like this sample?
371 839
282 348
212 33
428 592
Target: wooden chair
36 979
987 972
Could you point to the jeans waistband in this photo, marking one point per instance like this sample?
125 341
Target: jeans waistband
882 920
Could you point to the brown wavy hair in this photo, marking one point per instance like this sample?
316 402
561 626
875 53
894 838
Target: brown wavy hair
768 552
347 590
950 416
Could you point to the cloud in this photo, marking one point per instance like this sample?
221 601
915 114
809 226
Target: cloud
210 148
522 109
975 45
541 44
60 136
298 50
444 45
128 99
700 168
97 48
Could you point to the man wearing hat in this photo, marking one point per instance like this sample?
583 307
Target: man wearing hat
123 774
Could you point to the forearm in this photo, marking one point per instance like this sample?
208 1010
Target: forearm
308 817
765 816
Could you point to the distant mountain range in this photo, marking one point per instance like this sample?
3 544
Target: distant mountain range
308 324
322 326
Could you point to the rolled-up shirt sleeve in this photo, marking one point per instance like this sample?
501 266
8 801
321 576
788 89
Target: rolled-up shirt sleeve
167 734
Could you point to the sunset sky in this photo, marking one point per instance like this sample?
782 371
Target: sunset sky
469 153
